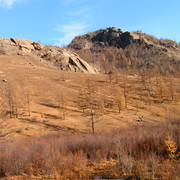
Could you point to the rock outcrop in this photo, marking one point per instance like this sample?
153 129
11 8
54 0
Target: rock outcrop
62 58
66 60
8 47
105 37
120 39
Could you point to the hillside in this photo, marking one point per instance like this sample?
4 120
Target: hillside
146 94
89 113
128 50
143 96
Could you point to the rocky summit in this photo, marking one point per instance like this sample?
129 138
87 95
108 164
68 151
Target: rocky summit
61 58
110 36
113 37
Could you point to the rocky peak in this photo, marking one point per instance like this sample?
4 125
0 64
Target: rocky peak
105 37
120 39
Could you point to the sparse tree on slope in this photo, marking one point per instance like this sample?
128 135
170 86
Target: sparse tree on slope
15 99
119 99
89 101
62 104
29 96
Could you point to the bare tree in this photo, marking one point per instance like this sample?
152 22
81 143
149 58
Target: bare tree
119 99
172 87
29 96
161 90
62 104
89 101
82 99
126 89
3 100
15 99
105 63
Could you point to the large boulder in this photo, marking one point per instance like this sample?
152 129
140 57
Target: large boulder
7 46
18 46
25 45
38 46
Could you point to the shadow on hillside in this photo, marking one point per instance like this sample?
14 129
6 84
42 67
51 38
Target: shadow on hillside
49 105
47 125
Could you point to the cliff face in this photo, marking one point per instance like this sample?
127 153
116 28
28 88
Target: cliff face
62 58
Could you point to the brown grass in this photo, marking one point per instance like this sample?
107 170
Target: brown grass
137 152
142 95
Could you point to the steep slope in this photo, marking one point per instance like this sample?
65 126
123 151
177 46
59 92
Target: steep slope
61 58
134 50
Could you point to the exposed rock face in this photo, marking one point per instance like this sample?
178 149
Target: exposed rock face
7 46
114 37
117 38
105 37
24 45
66 60
62 58
18 46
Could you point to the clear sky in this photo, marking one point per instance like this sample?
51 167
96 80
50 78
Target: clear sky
59 21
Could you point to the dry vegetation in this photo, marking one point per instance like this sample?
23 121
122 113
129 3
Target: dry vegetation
158 56
124 123
146 152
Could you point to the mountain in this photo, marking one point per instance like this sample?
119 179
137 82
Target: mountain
57 57
135 50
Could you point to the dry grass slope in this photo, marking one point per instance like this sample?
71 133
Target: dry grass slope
47 133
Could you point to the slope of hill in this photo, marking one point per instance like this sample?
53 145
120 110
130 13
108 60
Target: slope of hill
19 72
24 62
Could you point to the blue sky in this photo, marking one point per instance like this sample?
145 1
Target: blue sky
59 21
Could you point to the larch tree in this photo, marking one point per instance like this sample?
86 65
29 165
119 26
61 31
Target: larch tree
126 89
17 99
89 101
161 90
62 104
105 63
173 86
3 100
82 100
119 99
14 96
29 97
